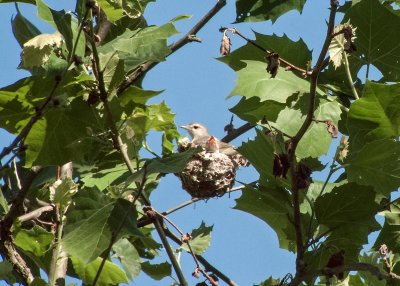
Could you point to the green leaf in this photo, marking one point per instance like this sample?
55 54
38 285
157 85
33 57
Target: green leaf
111 274
174 163
269 282
129 258
104 177
261 10
65 24
201 239
376 115
260 154
154 117
35 241
317 139
369 278
347 204
253 80
252 110
273 206
390 233
6 272
112 9
378 37
23 29
135 95
296 52
139 46
51 139
93 221
157 271
376 164
348 208
135 8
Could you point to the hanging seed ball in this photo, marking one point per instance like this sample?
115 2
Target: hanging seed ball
207 174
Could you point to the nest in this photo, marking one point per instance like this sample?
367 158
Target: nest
207 174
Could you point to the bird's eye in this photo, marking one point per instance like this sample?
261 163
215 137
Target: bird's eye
195 126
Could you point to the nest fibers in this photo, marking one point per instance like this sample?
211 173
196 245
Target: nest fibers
208 174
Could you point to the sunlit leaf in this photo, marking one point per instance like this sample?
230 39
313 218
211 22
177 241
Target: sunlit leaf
375 115
129 258
378 37
201 239
23 29
111 274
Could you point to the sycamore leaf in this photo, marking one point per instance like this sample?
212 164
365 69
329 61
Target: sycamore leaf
111 274
375 115
296 52
254 81
37 51
22 28
262 10
201 239
338 44
36 241
390 233
376 164
157 271
51 139
378 37
93 220
129 258
273 206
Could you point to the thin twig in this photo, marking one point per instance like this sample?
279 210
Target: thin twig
207 265
188 37
349 77
143 221
36 213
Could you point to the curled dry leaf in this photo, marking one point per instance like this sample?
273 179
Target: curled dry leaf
332 129
343 148
225 48
343 41
281 165
273 63
336 260
384 251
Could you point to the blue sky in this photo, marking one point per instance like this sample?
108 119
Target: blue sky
196 86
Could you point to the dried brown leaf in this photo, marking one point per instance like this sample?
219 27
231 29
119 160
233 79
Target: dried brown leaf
225 48
273 63
343 149
332 129
281 165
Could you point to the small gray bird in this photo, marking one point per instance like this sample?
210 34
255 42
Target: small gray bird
201 137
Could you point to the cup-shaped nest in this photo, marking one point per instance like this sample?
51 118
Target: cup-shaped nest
207 174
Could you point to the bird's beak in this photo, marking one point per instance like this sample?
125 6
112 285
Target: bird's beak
184 127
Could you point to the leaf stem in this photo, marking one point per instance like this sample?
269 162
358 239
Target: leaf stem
349 77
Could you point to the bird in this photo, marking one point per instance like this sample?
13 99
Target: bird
201 137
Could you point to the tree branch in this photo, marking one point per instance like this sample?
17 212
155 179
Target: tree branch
233 134
131 78
169 251
7 246
300 267
36 213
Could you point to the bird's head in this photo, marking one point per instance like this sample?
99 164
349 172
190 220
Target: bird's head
196 130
